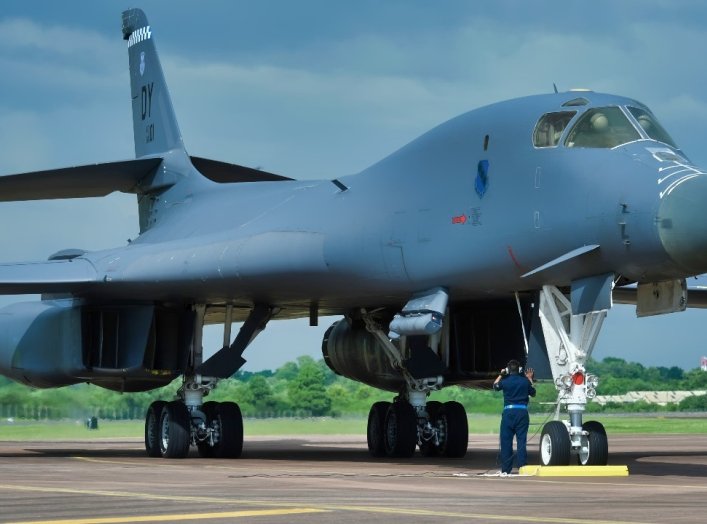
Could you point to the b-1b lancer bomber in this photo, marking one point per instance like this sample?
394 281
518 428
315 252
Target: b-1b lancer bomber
505 233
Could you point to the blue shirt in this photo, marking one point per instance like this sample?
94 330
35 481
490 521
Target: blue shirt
516 389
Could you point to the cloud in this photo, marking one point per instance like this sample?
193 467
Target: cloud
321 92
35 230
24 142
301 123
84 45
62 107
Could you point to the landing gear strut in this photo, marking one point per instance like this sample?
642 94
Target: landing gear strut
570 340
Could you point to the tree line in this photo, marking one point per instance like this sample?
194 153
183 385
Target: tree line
307 387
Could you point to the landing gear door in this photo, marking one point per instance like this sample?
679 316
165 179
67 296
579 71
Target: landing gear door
659 298
538 359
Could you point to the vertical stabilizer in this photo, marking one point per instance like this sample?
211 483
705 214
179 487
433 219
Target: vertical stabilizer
154 123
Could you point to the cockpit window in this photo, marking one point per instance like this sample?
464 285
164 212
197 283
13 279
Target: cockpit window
581 101
549 128
605 127
651 126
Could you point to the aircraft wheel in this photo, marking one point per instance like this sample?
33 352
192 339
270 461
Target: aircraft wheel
230 421
596 452
400 430
152 428
375 432
555 444
206 450
174 430
428 448
433 407
455 427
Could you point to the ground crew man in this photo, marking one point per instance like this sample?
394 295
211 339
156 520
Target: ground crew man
517 389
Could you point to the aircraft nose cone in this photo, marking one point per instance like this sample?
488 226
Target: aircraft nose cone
682 223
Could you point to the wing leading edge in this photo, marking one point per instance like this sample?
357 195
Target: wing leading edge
54 276
126 176
93 180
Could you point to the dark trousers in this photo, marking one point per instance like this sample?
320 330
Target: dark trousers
514 422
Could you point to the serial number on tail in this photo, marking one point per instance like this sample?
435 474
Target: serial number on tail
146 100
149 133
146 103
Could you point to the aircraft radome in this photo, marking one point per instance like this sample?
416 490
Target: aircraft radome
506 232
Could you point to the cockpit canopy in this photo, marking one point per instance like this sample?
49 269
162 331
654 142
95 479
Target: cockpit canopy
651 126
549 128
600 127
605 127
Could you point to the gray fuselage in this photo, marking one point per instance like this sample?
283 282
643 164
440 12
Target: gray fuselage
414 220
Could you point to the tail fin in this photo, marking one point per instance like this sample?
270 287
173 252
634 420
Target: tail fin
154 123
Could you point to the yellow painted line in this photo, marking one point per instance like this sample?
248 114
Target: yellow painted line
141 496
471 516
179 516
383 510
639 486
177 463
137 463
469 478
574 471
120 462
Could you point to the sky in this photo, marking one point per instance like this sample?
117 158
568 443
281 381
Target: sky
312 89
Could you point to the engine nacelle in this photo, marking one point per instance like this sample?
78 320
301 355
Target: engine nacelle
39 341
355 353
477 339
56 343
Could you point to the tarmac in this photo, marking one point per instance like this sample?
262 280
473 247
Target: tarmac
333 479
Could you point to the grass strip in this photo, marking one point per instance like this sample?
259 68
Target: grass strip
484 424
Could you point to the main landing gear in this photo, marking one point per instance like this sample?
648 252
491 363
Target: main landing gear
396 429
215 428
570 339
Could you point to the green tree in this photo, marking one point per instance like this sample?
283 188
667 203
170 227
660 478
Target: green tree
329 376
674 373
263 399
307 392
234 390
695 403
287 371
695 379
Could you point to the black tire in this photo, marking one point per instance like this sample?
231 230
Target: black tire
206 450
428 448
375 431
230 420
400 430
175 429
453 421
152 428
555 444
433 407
597 443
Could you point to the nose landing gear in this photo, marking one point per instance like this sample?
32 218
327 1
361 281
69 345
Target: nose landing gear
570 340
